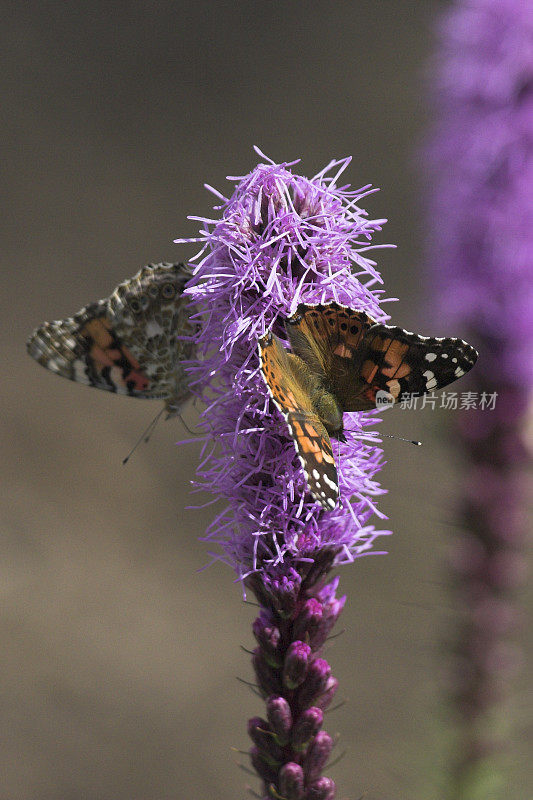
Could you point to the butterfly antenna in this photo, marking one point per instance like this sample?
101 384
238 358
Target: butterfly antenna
388 435
193 433
145 435
392 436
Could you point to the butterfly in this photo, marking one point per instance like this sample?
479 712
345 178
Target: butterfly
129 343
342 360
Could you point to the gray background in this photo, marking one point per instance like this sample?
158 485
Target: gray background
118 659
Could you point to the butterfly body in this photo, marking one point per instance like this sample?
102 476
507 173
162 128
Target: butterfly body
129 343
341 358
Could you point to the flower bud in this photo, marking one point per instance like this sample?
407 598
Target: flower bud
263 765
268 636
315 683
317 756
291 781
296 663
306 727
308 622
261 735
267 677
283 591
280 718
322 789
328 694
331 606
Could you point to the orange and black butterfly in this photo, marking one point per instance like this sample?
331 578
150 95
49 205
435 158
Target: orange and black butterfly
340 360
133 342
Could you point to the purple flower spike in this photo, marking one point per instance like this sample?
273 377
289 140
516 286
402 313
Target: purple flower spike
481 207
279 240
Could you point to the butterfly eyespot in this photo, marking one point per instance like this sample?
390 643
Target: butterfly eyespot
344 326
354 329
153 291
135 305
168 291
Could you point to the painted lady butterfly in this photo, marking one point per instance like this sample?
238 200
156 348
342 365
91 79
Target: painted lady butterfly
128 343
340 360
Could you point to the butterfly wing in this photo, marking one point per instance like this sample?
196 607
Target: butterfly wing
324 336
400 362
359 357
128 343
290 383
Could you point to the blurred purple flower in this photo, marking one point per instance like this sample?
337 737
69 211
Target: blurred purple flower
282 239
481 212
481 203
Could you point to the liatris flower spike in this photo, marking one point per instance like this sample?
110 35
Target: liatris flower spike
481 215
286 263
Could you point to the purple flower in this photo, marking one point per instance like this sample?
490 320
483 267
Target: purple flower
481 212
279 240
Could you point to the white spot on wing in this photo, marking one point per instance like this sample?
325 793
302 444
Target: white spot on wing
79 370
331 484
153 329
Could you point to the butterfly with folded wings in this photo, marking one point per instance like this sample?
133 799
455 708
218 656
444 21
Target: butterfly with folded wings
341 358
129 343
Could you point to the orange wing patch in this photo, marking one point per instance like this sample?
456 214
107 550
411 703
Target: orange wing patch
286 379
326 330
108 360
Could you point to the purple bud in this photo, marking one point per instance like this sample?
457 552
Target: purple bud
322 789
328 694
267 677
280 718
296 663
283 591
317 756
315 684
265 768
308 622
327 594
331 605
268 636
291 781
261 735
306 727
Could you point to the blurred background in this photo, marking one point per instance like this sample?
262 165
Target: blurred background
119 660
